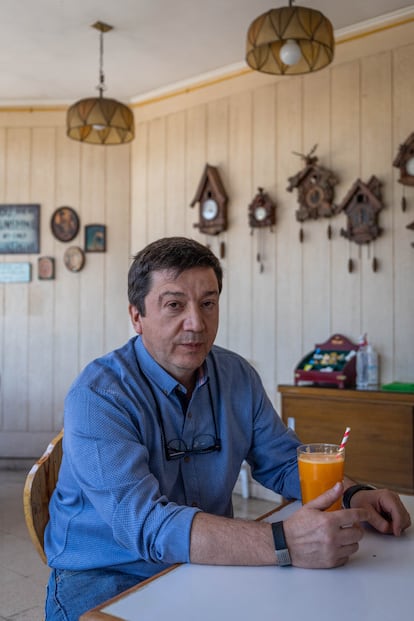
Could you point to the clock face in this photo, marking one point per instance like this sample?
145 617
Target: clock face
409 167
209 209
260 213
314 196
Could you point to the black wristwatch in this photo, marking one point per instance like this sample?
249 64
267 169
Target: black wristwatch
348 493
281 549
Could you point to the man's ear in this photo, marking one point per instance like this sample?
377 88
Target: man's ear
135 318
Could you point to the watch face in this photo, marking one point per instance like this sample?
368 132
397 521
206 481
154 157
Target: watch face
209 209
410 166
260 213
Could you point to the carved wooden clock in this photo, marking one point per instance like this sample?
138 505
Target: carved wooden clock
315 185
212 199
261 211
361 206
404 160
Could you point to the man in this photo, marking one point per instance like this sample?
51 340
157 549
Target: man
155 434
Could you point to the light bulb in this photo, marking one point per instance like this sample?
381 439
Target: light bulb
290 53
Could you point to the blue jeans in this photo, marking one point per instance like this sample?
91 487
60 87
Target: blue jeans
71 593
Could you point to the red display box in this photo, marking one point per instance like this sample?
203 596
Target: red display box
332 362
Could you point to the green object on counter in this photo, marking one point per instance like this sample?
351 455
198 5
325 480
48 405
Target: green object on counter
398 387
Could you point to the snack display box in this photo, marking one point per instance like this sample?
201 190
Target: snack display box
330 363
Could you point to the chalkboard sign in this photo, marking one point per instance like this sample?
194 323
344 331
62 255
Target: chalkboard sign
19 229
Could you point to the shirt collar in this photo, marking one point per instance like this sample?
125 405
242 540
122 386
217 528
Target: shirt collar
158 375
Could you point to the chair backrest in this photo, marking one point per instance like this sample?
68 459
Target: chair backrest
38 489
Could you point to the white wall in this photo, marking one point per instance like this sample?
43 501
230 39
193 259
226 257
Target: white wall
50 329
358 111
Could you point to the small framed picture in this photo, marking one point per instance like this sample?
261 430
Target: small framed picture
95 238
65 224
46 268
74 258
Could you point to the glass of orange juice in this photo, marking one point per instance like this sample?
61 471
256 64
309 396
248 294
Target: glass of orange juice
320 467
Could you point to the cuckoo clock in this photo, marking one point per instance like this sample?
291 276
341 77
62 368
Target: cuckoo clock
261 216
315 185
404 160
212 199
261 211
362 205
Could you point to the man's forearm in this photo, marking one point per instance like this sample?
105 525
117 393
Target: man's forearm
224 541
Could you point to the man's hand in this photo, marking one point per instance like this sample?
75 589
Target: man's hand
320 539
386 512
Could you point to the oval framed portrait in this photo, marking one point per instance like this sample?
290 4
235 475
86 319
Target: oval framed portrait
74 258
65 224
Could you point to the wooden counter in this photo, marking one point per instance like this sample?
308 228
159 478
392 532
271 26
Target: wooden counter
381 444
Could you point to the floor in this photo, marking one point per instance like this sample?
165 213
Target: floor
22 574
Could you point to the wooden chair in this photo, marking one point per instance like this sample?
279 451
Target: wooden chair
38 489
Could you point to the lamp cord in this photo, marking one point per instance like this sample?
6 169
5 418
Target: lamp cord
101 87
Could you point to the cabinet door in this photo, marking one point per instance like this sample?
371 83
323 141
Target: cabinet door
380 446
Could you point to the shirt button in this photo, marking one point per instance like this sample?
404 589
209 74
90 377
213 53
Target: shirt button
189 415
187 459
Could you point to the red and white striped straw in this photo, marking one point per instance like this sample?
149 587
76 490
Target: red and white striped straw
345 438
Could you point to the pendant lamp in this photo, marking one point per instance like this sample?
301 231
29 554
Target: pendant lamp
99 120
290 40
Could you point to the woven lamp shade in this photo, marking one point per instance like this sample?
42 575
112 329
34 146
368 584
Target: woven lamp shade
310 29
99 120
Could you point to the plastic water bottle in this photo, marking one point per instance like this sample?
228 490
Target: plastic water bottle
372 367
362 363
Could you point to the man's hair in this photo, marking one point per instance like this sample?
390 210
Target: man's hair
169 253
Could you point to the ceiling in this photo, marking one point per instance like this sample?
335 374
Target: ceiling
50 54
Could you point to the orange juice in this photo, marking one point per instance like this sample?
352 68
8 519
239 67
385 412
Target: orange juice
320 467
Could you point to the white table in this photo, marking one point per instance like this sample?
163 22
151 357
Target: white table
376 584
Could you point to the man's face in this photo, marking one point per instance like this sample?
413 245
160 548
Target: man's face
181 320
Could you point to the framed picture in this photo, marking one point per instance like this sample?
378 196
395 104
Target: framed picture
95 238
64 224
74 258
19 229
46 268
15 272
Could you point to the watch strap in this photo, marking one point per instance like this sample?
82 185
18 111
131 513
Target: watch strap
282 553
348 493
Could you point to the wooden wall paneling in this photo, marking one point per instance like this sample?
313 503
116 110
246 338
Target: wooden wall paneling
345 147
288 282
217 154
92 280
403 103
67 285
196 155
42 292
139 189
376 159
16 306
3 151
317 248
238 249
175 204
116 259
157 179
263 241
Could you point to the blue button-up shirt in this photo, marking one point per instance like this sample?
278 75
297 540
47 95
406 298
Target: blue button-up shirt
119 502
